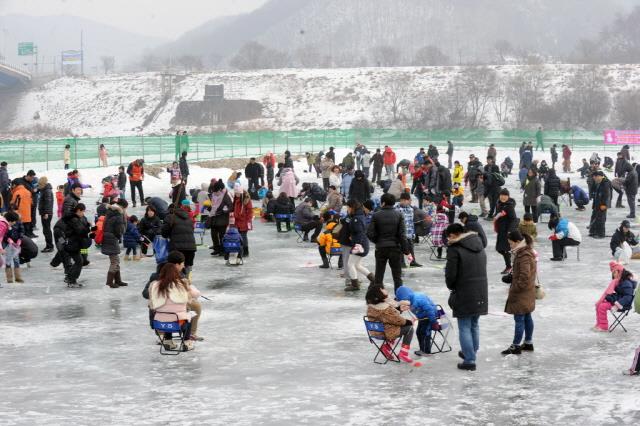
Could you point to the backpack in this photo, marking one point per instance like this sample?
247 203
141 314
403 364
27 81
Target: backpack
99 230
498 178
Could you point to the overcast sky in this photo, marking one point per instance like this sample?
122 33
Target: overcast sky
163 18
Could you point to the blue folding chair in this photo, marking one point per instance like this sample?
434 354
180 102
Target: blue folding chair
378 340
334 252
299 232
162 328
199 231
283 217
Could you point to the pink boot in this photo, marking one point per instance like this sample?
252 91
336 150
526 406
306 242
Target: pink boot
404 356
386 350
601 315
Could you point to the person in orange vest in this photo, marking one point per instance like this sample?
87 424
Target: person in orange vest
22 200
136 176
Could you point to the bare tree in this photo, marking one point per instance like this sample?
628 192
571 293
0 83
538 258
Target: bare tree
503 49
500 101
430 56
627 107
254 55
395 95
525 93
479 84
587 101
385 56
108 64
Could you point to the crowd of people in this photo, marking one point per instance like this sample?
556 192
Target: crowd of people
367 201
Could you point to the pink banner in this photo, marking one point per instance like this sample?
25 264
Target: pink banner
622 137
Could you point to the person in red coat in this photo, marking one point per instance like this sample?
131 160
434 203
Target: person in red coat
566 159
243 215
389 159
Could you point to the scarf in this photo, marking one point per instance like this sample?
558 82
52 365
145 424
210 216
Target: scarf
216 200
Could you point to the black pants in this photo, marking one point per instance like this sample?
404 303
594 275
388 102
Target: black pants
598 222
507 258
377 174
423 333
559 245
631 200
72 264
493 200
534 212
315 225
134 185
325 183
217 233
279 224
325 257
6 199
393 255
46 230
254 183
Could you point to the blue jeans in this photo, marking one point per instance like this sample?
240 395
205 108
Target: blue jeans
524 325
469 337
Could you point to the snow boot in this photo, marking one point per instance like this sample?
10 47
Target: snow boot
119 281
126 257
325 264
353 286
404 356
9 274
527 347
371 278
110 277
18 275
137 257
512 350
387 350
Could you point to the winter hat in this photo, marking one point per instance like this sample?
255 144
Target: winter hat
185 202
218 186
615 266
504 191
625 224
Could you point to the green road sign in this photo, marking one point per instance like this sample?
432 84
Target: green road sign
25 48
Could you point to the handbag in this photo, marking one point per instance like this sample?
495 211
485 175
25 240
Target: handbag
540 293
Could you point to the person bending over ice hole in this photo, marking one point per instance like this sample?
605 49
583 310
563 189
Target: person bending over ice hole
522 291
170 294
381 309
565 233
425 310
327 241
617 297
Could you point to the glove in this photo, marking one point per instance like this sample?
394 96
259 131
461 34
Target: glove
507 279
603 207
553 237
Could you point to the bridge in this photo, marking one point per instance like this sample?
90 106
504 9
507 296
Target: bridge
13 77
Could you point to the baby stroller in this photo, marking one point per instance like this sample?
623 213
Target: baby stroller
232 246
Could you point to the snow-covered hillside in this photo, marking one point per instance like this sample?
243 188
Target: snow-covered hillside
292 98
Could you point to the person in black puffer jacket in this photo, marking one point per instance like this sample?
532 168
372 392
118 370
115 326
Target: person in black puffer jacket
178 228
505 221
283 206
45 208
387 232
221 206
552 186
114 226
466 278
360 189
471 224
72 235
149 227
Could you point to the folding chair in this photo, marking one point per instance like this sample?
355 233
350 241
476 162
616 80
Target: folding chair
172 327
199 231
299 232
618 317
564 251
334 252
283 217
434 250
378 340
440 332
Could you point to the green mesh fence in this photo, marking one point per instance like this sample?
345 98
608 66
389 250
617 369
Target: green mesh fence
48 154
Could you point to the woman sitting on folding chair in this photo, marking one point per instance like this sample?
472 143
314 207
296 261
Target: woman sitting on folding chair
380 309
617 297
169 296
